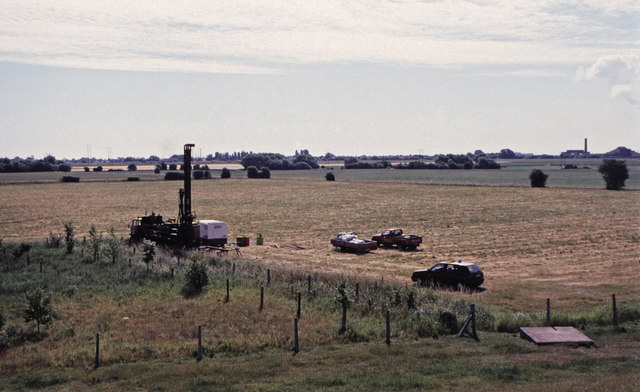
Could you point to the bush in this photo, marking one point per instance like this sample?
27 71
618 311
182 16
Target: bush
97 169
226 173
173 166
538 178
252 172
330 176
132 167
70 179
86 169
201 174
133 178
614 173
64 168
174 176
196 279
301 166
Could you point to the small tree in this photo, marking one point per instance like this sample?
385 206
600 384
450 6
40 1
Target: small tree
132 167
114 245
538 178
252 172
68 236
148 252
330 177
95 242
196 279
614 173
343 299
39 308
226 173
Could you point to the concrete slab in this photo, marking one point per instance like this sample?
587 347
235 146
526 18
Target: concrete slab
555 335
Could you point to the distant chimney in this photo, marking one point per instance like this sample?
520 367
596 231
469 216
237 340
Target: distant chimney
585 145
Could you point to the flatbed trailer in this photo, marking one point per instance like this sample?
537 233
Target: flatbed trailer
349 242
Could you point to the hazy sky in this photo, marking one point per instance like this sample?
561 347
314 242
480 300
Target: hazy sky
349 77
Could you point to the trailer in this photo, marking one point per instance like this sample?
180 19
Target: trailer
349 242
185 231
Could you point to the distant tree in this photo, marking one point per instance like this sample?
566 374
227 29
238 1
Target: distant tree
614 173
506 153
163 166
330 176
538 178
132 167
50 159
64 168
265 173
86 169
226 173
174 176
68 236
153 158
305 157
173 166
97 169
39 308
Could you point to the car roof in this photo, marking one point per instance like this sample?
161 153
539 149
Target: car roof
459 262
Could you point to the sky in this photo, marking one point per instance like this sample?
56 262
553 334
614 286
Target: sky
117 78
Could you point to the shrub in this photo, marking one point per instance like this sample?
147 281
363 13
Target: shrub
226 173
196 279
301 166
173 166
614 173
448 323
538 178
97 169
68 236
86 169
54 241
70 179
265 172
132 167
252 172
330 176
173 176
201 174
133 178
64 168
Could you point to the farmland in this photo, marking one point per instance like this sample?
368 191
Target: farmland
574 244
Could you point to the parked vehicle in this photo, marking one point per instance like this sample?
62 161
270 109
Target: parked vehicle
393 237
451 273
349 242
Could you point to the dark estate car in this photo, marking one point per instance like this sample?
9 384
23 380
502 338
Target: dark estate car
450 273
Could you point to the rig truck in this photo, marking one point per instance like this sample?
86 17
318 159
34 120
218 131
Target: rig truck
185 231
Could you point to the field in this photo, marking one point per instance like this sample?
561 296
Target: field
573 244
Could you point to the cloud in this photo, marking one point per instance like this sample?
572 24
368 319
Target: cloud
622 72
250 36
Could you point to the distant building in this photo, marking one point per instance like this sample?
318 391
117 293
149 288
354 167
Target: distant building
576 153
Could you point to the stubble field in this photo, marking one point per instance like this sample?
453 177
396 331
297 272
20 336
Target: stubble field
576 246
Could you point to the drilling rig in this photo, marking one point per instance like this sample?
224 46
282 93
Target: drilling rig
185 231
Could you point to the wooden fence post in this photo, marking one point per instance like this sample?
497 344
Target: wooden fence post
298 312
615 310
388 341
226 299
199 343
97 361
268 276
296 348
548 312
474 332
261 298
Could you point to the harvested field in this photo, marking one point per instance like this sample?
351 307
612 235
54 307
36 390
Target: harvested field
576 246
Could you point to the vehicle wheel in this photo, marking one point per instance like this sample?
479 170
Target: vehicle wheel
419 282
401 246
342 248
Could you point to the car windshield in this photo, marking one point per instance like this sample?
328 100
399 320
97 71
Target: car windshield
438 267
474 268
